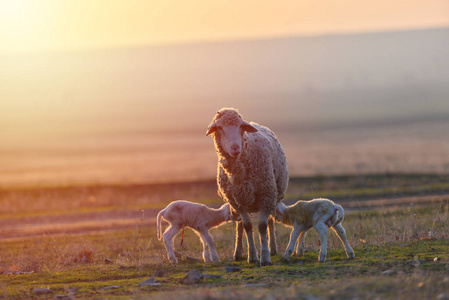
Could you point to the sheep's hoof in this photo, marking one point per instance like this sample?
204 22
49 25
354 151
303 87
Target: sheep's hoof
322 258
253 261
265 263
238 257
351 255
285 259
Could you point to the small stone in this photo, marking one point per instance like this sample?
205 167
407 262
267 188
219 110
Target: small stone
443 296
108 261
308 297
42 291
231 269
112 287
388 273
161 273
259 284
436 259
62 297
414 263
150 282
207 275
192 259
192 277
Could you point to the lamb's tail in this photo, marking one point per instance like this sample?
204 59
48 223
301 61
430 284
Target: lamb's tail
159 216
338 217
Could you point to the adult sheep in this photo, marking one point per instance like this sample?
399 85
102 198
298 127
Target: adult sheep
252 177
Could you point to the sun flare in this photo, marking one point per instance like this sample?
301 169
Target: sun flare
19 21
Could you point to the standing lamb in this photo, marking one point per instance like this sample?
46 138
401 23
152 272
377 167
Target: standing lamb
252 177
319 214
196 216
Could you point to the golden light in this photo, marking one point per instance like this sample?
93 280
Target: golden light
13 12
18 22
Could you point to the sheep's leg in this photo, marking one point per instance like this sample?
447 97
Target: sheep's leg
340 231
322 231
300 247
238 252
169 234
252 252
209 242
272 237
291 244
265 258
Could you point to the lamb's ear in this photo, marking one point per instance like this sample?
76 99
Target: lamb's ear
212 128
279 214
248 127
280 208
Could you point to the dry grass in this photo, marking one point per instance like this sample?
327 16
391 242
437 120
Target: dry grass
383 239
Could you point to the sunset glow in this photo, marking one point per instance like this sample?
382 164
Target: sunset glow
27 25
101 82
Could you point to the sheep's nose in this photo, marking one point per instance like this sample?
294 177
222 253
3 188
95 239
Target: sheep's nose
235 149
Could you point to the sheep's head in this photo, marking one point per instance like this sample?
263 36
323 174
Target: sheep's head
229 127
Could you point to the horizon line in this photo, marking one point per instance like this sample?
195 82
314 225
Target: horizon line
218 41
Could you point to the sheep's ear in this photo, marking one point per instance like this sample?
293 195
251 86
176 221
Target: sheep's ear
248 127
212 128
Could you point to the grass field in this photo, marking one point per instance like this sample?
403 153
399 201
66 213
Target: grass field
100 242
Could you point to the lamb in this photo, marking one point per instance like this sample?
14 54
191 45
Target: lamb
252 177
317 213
196 216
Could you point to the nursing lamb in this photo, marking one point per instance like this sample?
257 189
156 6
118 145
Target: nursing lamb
196 216
252 177
319 214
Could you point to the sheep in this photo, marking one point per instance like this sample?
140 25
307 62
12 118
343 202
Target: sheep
252 176
317 213
196 216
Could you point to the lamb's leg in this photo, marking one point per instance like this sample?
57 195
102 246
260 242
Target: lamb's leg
169 234
238 252
252 251
300 248
265 258
272 237
206 252
322 231
209 242
291 244
340 231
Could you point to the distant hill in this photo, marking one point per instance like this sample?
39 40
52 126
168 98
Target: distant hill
331 80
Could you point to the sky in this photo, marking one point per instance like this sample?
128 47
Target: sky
42 25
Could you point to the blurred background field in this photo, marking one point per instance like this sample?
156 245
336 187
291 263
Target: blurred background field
348 103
